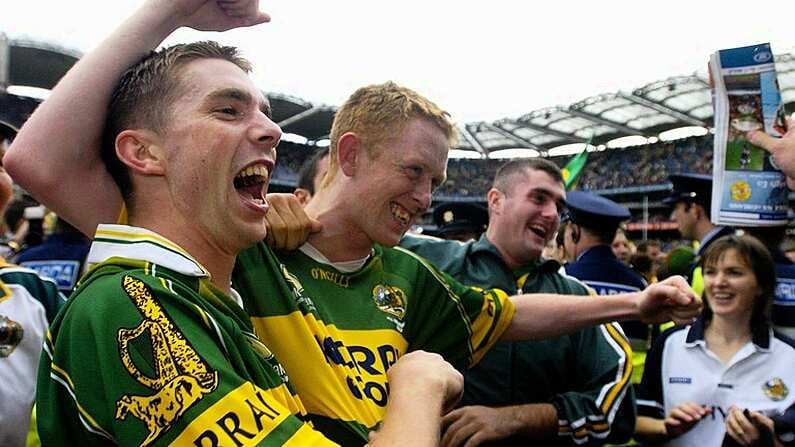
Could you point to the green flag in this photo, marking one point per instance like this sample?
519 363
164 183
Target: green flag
573 168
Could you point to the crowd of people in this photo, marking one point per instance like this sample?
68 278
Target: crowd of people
213 313
610 169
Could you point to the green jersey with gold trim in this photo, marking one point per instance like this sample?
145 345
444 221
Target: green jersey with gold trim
148 352
337 333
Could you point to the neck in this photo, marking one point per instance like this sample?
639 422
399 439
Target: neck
585 243
218 261
729 331
703 227
341 239
513 262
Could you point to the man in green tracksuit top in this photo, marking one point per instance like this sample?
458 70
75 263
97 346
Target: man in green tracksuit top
579 382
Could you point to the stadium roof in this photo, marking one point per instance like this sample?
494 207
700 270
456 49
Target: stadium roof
645 111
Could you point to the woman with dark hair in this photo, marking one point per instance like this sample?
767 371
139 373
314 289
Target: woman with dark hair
728 372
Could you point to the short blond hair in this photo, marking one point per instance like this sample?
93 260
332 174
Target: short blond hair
379 112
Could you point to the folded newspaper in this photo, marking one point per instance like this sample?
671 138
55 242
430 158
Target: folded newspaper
748 189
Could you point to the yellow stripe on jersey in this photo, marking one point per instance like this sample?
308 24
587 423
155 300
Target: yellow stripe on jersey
340 374
626 373
244 417
485 328
66 381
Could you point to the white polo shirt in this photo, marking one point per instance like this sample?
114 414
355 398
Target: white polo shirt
680 368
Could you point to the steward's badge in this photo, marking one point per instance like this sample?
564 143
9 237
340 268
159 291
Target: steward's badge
390 299
11 334
776 389
179 379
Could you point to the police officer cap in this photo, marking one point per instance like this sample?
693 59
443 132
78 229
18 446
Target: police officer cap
594 211
690 188
454 217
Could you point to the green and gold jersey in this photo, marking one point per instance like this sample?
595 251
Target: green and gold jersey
337 333
148 352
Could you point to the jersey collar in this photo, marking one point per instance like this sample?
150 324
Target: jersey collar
760 337
125 241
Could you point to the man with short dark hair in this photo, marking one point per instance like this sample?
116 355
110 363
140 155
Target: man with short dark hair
154 347
311 174
568 390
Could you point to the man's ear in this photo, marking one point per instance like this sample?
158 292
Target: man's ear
140 150
494 198
349 149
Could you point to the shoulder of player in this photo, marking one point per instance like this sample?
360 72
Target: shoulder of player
104 295
41 289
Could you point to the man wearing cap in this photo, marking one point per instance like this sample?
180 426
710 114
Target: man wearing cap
691 199
460 221
562 391
591 224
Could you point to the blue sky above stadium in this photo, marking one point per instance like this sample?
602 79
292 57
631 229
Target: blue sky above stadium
479 60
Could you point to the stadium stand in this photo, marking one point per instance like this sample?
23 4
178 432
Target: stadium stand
633 176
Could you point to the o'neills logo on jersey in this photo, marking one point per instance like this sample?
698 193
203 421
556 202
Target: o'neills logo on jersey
333 277
776 389
298 290
180 377
390 299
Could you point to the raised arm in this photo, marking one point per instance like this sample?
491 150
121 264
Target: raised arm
56 155
548 315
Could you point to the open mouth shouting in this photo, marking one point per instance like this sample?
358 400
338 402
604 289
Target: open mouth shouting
251 184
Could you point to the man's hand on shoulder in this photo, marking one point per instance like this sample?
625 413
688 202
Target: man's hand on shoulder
288 224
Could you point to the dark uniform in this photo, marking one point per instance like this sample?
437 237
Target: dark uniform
61 257
599 268
461 221
585 375
782 313
696 188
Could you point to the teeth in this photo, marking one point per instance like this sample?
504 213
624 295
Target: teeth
400 214
252 171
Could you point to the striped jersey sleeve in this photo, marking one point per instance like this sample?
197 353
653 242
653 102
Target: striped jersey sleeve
602 406
457 321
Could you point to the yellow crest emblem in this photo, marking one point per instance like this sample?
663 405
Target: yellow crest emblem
776 389
181 377
740 191
390 299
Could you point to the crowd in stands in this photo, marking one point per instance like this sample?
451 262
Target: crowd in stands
646 165
610 169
